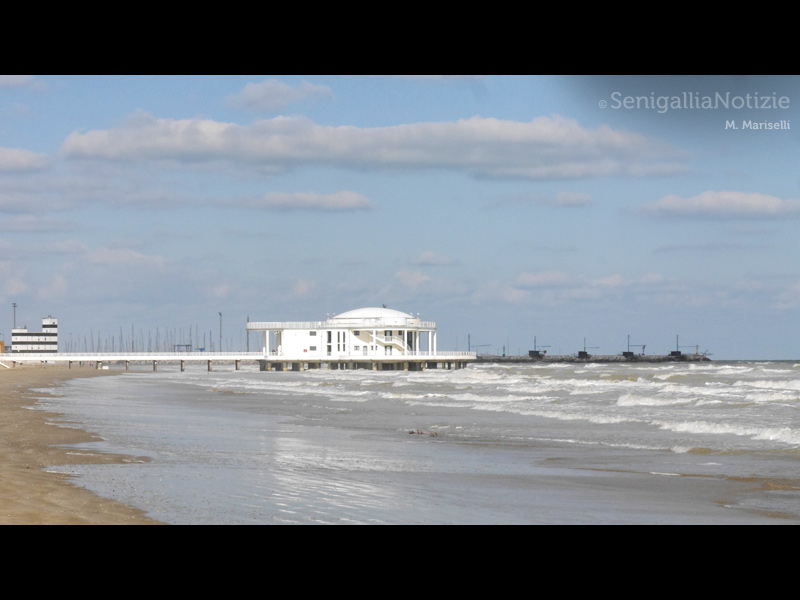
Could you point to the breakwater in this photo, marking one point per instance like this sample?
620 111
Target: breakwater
596 358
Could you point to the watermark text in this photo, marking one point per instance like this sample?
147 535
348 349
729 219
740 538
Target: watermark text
697 101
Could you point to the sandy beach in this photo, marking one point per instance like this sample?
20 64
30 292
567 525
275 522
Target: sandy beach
29 443
338 450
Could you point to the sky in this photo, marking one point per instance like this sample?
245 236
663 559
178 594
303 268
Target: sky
569 211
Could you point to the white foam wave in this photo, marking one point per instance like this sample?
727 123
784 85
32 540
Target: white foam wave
785 435
771 396
634 400
771 384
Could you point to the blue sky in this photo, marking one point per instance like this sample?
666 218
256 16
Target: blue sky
501 207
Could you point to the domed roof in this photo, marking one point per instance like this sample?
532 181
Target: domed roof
373 313
374 317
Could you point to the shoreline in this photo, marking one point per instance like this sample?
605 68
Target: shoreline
30 443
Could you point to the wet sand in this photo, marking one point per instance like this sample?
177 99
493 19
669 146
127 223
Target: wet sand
30 443
573 489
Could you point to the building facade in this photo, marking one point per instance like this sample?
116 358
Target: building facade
363 333
44 341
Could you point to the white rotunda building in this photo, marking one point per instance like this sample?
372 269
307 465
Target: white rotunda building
377 338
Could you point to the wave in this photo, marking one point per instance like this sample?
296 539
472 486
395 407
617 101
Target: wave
634 400
771 384
784 435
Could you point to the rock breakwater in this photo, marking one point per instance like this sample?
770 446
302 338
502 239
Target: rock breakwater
596 358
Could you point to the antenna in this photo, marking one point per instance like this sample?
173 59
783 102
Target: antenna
535 352
677 351
678 347
590 347
584 353
629 354
534 344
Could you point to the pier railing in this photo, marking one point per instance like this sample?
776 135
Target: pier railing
178 356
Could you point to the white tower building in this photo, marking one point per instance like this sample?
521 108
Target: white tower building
44 341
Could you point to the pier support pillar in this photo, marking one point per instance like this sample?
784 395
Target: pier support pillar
98 364
183 366
69 363
155 365
262 365
127 365
236 362
209 366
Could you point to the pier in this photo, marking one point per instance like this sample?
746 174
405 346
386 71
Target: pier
379 339
413 361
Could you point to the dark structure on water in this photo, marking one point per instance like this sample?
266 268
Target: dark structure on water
535 356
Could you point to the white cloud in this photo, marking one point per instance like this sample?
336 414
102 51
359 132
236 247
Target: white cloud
344 200
557 287
20 81
14 160
303 288
544 148
55 289
542 279
33 224
124 257
219 291
11 280
725 205
273 95
566 199
411 278
611 281
571 199
430 258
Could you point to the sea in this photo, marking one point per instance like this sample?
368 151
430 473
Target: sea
527 443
